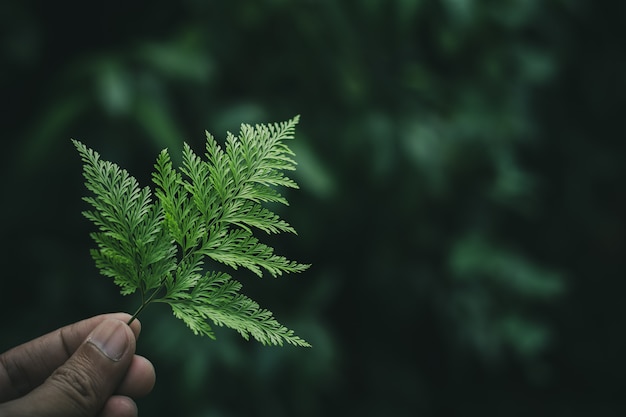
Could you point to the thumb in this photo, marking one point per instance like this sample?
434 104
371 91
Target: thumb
82 385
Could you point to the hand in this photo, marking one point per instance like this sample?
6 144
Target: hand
82 370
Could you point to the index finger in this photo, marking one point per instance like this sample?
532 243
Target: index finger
25 367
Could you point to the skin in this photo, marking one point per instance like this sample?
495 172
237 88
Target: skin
86 369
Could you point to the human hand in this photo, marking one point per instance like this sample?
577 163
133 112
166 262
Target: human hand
86 369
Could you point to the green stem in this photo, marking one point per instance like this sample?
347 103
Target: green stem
144 304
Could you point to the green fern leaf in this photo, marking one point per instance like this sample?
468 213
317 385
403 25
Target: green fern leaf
210 208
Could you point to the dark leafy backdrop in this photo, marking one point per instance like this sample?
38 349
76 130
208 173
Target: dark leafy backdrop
460 164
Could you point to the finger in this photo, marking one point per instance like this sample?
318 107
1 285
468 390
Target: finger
119 406
25 367
139 379
82 385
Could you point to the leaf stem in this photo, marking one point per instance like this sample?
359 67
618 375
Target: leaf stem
144 304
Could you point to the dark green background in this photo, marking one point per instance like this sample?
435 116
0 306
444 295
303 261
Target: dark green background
462 194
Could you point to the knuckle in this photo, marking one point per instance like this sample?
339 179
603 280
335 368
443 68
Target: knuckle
16 377
78 384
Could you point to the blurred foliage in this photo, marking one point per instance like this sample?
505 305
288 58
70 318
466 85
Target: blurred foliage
459 163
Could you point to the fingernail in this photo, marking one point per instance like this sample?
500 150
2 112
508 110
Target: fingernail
110 338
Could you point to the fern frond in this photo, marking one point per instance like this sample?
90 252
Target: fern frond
132 248
249 215
209 208
240 248
182 220
217 298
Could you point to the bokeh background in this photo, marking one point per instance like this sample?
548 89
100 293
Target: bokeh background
460 164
